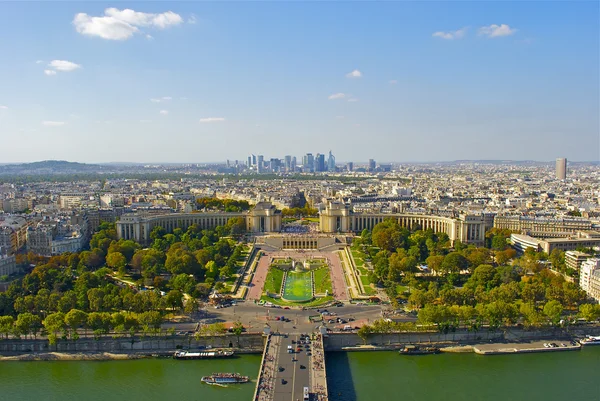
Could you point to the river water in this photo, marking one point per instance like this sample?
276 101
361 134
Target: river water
366 376
357 376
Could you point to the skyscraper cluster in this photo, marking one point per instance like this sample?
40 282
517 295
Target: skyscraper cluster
310 163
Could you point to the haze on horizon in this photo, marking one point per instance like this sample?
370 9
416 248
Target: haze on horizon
205 82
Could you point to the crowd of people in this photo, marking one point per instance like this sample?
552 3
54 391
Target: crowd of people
318 360
266 380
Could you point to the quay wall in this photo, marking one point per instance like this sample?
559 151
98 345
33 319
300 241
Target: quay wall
248 343
341 341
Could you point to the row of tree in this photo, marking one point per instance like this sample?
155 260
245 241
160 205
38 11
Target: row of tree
67 324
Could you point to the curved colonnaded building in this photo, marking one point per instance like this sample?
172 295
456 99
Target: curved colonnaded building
335 218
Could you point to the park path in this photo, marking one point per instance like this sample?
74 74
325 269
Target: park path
260 275
336 271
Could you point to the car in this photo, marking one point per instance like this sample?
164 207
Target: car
563 344
294 359
287 307
281 368
302 367
331 321
351 319
546 345
293 341
278 318
308 353
283 381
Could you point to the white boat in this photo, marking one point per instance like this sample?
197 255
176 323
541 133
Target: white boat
590 340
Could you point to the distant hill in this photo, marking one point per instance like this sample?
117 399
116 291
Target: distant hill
52 167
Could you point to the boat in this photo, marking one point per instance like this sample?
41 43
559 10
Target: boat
202 355
590 340
416 350
225 378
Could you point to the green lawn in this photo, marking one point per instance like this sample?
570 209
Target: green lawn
273 281
282 302
369 290
365 281
298 286
322 281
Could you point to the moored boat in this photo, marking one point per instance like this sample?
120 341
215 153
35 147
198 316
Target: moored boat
202 355
225 378
416 350
590 340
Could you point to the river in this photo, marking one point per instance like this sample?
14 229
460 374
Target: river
143 379
357 376
366 376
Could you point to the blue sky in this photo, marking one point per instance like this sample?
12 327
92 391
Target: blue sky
393 81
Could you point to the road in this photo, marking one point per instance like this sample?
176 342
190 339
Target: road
292 371
254 317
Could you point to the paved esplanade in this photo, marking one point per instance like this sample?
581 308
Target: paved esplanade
284 375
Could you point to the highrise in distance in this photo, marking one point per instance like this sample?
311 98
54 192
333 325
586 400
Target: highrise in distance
561 168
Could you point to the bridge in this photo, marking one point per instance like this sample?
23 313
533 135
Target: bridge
292 369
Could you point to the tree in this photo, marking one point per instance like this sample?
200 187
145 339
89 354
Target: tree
75 318
117 261
238 329
483 275
150 320
96 299
364 332
54 324
499 242
553 310
174 299
435 263
27 323
6 325
454 262
590 312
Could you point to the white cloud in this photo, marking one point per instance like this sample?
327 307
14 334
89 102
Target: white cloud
2 107
192 19
458 34
337 96
353 99
149 37
63 65
49 72
160 99
212 120
163 112
496 31
53 123
123 24
393 82
354 74
39 61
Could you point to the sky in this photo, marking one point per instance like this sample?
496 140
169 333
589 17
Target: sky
196 82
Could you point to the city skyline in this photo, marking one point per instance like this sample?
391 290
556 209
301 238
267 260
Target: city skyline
190 83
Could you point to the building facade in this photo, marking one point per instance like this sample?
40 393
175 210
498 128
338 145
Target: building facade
589 278
541 227
337 217
561 168
264 217
8 265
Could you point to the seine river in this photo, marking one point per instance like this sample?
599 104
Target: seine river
358 376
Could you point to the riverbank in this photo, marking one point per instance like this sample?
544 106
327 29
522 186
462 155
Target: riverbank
66 356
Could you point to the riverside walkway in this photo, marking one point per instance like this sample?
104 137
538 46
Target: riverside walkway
285 375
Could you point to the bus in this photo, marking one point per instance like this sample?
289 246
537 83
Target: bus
306 395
